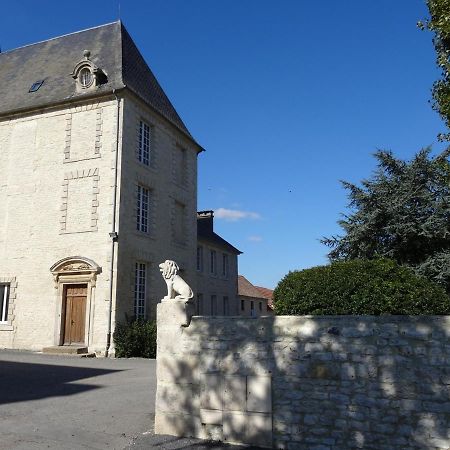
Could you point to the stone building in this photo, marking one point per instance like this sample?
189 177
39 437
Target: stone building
254 301
217 270
98 184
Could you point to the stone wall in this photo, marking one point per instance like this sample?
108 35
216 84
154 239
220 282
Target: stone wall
336 382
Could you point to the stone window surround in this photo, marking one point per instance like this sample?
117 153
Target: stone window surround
12 282
147 183
74 175
180 179
98 132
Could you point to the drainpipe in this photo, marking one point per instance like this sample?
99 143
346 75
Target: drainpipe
113 234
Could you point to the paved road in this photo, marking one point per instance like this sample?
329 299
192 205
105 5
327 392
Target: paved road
55 402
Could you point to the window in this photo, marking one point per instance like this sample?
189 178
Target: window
252 308
225 265
226 307
35 86
213 266
86 78
242 305
200 258
214 305
4 297
260 306
144 143
140 276
199 304
142 209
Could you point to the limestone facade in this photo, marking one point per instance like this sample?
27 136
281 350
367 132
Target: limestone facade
57 203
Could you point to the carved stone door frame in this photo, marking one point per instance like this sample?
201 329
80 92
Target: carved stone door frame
74 270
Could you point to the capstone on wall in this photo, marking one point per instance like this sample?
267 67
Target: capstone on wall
305 382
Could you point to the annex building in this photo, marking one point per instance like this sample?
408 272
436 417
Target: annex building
98 185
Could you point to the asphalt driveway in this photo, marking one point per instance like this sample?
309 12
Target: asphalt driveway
57 402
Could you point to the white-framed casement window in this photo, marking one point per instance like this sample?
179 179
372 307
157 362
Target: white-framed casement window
200 258
143 199
140 281
4 300
226 306
214 305
199 304
224 265
213 262
144 143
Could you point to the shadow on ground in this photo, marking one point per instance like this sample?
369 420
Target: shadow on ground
28 381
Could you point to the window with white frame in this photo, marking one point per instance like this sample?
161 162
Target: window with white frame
226 306
143 195
224 264
213 262
214 305
140 277
200 258
144 143
4 299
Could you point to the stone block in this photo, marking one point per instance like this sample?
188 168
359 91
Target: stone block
247 428
259 394
211 391
211 416
234 393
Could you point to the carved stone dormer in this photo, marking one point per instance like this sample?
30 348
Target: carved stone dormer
87 75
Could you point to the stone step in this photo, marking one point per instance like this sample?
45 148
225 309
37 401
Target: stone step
66 350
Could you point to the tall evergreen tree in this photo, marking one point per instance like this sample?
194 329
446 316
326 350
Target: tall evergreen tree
402 213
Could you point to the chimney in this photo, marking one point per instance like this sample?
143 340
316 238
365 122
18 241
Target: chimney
205 222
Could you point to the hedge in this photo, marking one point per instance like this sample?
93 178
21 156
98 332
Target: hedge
135 339
359 287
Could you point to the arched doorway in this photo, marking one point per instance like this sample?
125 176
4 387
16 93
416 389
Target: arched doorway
75 280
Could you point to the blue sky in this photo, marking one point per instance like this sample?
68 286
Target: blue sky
288 97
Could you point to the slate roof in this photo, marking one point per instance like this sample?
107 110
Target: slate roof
247 289
112 50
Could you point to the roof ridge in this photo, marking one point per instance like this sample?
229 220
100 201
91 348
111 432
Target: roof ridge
61 36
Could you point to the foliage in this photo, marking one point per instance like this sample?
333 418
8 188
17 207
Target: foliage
402 213
356 287
439 24
136 339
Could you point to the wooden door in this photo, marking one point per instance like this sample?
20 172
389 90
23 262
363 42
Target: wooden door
75 296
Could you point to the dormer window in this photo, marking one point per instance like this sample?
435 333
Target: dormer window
87 74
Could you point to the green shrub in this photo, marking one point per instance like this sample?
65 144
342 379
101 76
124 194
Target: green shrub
136 339
374 287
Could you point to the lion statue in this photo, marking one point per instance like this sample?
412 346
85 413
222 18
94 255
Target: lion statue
177 288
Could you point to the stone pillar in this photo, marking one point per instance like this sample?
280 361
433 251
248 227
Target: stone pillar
177 391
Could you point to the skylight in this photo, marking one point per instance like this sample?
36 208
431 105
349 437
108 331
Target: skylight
35 86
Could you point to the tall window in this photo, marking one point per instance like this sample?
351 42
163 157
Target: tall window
224 264
4 297
140 277
142 209
213 261
200 258
242 305
252 308
226 306
199 304
144 143
214 305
